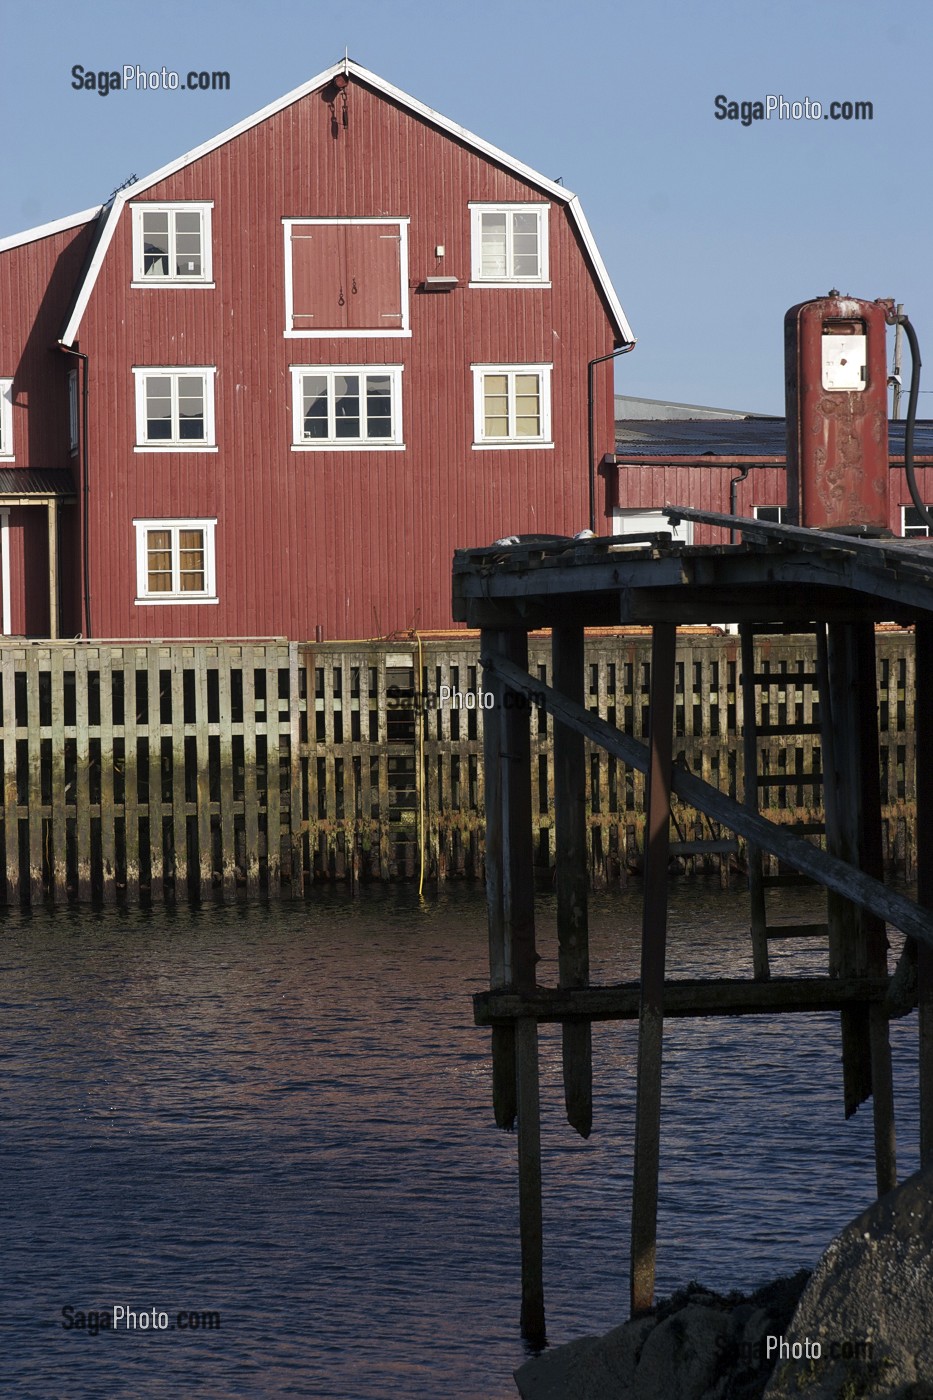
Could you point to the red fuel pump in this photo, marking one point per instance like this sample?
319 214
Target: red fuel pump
837 413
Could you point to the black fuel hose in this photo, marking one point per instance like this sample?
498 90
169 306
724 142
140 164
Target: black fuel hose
925 515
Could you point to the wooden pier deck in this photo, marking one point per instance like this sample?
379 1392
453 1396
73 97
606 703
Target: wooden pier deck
777 578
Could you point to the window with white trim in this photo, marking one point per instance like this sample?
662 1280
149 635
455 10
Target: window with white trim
512 406
175 409
172 244
913 525
346 407
6 420
510 244
73 410
175 561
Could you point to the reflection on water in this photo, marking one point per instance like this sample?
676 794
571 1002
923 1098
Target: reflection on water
283 1114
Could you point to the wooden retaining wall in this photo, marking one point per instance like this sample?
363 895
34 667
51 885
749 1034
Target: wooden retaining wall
193 768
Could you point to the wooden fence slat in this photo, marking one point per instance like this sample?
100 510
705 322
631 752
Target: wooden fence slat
179 794
273 776
83 794
108 843
59 846
250 784
133 660
225 662
34 777
202 740
10 785
296 856
154 731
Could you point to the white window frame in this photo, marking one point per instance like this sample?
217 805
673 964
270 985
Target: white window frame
73 416
347 334
649 520
541 279
175 598
175 372
7 452
334 444
483 443
200 206
917 532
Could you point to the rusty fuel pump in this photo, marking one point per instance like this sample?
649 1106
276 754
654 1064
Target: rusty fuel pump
837 413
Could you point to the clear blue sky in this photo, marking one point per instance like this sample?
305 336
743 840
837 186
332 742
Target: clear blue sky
710 229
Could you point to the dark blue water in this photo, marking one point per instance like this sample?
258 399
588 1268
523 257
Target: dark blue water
282 1115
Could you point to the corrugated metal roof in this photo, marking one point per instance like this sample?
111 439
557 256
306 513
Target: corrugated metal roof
35 481
733 439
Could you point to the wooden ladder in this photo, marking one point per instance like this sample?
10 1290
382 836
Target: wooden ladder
757 688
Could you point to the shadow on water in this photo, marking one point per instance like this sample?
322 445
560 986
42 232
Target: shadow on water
282 1114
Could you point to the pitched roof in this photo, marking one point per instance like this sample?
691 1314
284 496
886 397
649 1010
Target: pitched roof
732 440
349 67
31 235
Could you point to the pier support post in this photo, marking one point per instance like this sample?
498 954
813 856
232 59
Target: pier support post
924 721
653 949
853 826
500 961
756 889
572 878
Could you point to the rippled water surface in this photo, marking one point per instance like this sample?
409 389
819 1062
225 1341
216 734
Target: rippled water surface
283 1114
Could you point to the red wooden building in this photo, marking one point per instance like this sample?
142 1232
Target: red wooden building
730 466
270 388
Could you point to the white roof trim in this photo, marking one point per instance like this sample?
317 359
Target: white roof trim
556 191
31 235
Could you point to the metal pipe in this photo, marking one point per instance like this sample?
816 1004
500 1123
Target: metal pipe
733 492
80 355
591 422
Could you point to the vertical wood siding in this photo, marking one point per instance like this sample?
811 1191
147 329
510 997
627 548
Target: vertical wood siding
357 543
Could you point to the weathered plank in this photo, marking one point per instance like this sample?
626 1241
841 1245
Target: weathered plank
794 850
108 842
647 1149
683 997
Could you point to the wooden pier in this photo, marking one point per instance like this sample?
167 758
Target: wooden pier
235 769
778 578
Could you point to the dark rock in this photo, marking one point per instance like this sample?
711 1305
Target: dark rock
868 1308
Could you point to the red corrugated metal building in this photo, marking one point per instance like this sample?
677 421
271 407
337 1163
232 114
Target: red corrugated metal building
730 466
323 351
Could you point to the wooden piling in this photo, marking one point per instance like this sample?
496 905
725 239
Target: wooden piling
228 872
653 948
756 888
202 737
58 872
924 721
108 841
273 779
504 1081
34 779
135 659
179 786
572 876
519 924
83 784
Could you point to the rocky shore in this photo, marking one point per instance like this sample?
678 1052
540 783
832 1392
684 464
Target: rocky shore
861 1328
697 1345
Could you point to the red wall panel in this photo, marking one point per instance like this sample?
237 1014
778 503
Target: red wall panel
357 542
